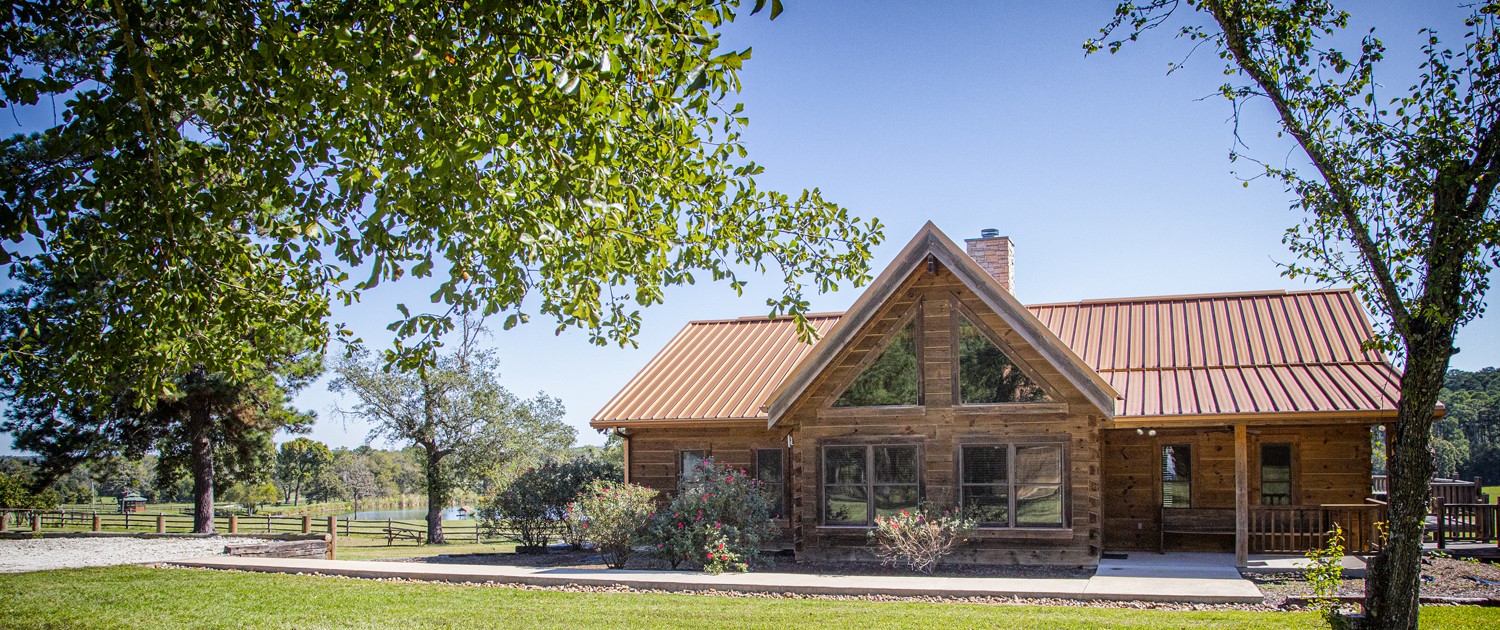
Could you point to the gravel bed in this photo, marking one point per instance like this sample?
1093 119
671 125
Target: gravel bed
39 554
1441 577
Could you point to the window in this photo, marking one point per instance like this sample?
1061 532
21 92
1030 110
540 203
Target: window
1013 485
891 379
688 473
862 482
986 374
769 470
1276 474
1176 476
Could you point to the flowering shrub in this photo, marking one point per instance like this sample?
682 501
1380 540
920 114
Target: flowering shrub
611 514
919 539
719 522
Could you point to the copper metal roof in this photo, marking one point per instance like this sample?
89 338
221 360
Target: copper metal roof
1273 353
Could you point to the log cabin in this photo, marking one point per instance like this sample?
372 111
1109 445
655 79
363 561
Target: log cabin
1225 421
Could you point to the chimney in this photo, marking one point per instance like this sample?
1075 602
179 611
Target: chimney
995 254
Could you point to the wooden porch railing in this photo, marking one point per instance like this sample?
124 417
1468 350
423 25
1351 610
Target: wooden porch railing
1298 528
1465 522
1449 490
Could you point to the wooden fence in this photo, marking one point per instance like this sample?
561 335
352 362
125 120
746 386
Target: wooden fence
88 520
1299 528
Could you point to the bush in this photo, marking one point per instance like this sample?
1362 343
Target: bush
920 539
612 514
720 522
534 504
1325 572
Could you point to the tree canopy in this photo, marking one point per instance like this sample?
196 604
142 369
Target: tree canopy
257 159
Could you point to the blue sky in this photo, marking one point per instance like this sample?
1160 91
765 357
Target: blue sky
1111 177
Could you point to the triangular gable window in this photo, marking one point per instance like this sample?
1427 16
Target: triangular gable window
987 375
891 379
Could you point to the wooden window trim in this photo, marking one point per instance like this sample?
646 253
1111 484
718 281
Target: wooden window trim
1064 485
1192 447
913 316
681 470
958 308
869 445
1292 486
786 496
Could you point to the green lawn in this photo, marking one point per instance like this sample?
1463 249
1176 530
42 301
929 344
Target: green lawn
1493 491
140 597
372 548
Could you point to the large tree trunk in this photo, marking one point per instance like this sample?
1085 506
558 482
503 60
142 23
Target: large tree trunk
1395 574
436 498
203 473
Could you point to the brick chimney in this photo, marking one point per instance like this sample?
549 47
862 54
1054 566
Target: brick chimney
995 254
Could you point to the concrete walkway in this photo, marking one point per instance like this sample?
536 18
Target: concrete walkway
1160 584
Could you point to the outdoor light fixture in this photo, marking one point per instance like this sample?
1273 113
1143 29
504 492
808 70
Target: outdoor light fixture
931 265
1140 431
1151 433
788 440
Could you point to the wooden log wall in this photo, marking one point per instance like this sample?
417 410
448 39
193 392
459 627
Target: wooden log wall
1330 465
940 426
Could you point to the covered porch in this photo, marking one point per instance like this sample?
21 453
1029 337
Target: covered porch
1259 486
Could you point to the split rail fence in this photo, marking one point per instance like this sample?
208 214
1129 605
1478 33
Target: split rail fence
390 529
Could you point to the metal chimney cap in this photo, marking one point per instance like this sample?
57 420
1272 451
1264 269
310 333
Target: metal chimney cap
989 233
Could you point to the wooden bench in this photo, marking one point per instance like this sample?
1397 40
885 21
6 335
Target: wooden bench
392 533
1211 521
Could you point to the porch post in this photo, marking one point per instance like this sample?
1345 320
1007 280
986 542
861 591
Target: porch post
1241 497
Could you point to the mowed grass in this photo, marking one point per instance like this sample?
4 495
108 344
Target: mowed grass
1492 491
375 548
183 598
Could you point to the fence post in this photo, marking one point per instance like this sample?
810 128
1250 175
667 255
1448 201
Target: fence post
1442 526
161 523
4 516
306 524
234 523
333 537
268 523
36 522
96 521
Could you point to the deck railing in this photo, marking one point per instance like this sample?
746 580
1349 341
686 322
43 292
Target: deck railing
1465 522
1449 490
1299 528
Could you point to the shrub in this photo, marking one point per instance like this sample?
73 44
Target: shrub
612 514
1325 573
720 522
534 503
920 539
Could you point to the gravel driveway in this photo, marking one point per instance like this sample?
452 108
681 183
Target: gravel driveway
17 556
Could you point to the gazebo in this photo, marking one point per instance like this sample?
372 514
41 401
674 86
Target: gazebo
132 503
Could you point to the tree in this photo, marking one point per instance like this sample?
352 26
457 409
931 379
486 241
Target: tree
1398 196
356 480
205 424
575 158
300 461
444 409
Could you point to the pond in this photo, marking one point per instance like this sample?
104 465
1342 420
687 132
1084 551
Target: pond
449 514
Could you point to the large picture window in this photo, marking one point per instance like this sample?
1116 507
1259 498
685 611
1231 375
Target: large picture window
1276 474
892 379
865 481
986 374
770 470
1013 485
1176 476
